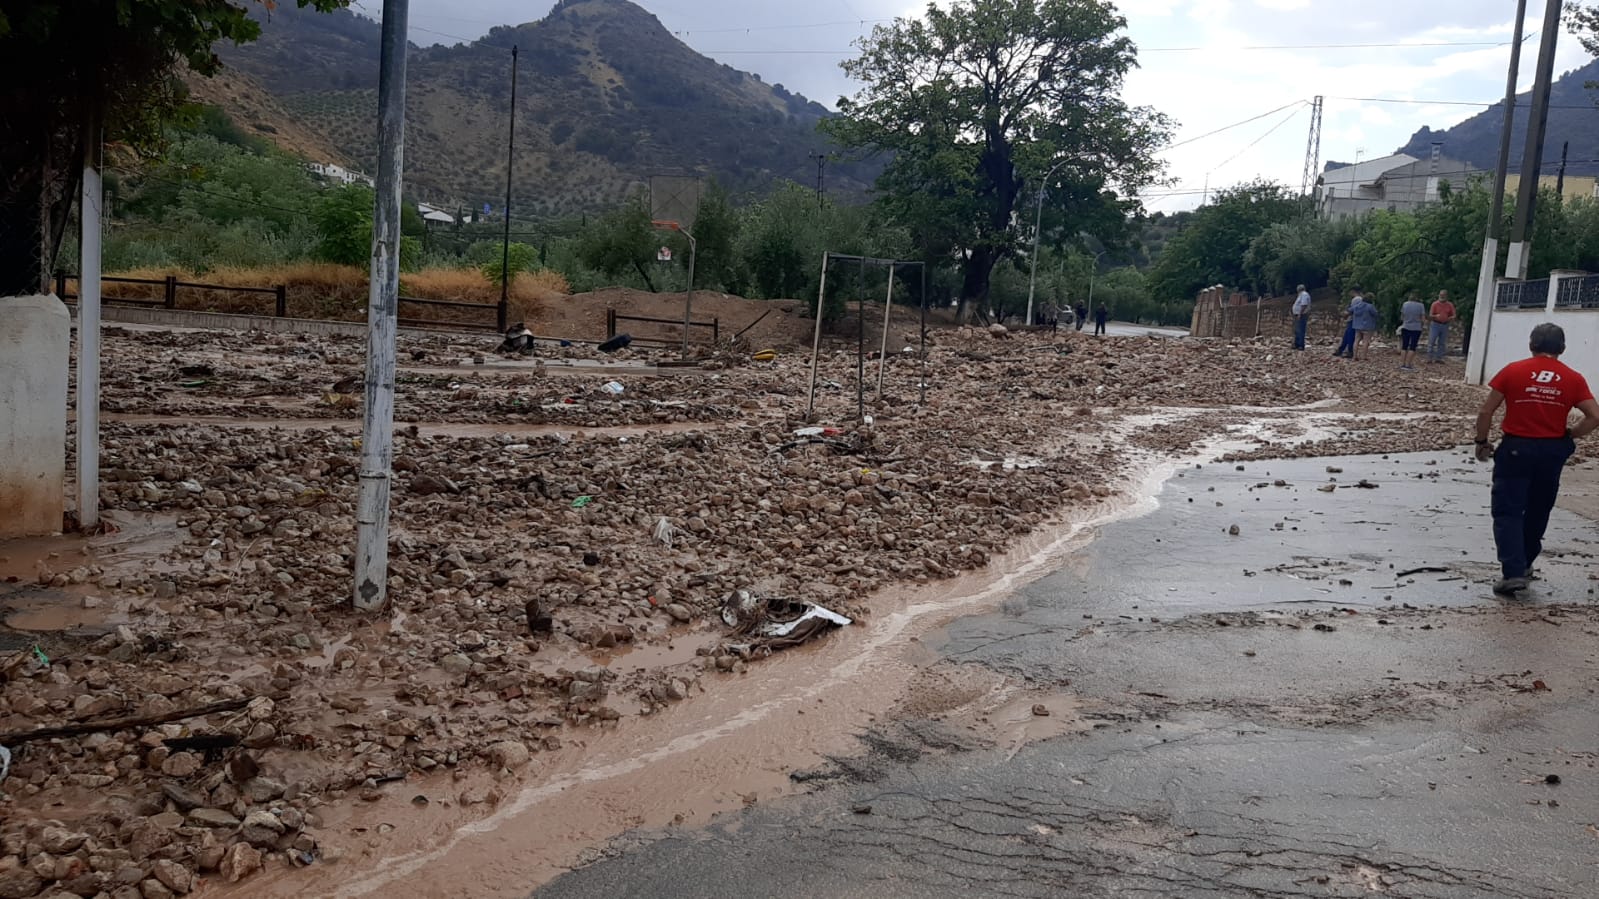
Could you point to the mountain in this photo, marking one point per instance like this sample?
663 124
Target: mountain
606 97
1573 117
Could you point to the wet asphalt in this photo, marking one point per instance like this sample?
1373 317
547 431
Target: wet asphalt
1281 712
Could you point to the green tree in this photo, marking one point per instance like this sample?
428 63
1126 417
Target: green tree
621 241
1211 249
716 234
1303 251
522 258
344 225
111 61
976 101
343 219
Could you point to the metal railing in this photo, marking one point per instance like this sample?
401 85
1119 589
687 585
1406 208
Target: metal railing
1578 293
170 285
612 317
1523 294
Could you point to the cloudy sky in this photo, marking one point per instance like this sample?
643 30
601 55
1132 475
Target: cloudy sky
1206 63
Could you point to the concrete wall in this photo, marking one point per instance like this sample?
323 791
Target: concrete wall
35 346
1507 338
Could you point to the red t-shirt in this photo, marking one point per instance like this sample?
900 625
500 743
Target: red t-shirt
1539 395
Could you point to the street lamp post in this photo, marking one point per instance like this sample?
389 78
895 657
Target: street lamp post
1092 274
1038 233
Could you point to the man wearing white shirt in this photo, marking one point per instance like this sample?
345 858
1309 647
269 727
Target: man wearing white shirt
1301 317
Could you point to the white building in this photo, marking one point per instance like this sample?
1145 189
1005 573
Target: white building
434 216
1397 183
332 171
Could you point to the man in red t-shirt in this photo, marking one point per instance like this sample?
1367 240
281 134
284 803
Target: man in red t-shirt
1441 314
1538 395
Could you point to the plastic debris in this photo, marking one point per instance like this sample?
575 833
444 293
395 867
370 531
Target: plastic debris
613 387
778 623
665 532
5 763
582 501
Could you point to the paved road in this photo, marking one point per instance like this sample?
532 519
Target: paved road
1277 713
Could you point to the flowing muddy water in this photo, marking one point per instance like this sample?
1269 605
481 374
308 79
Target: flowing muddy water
729 746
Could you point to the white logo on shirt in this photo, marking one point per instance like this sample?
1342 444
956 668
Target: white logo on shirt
1547 377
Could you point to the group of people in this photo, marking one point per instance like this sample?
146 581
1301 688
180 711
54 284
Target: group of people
1537 394
1361 321
1078 316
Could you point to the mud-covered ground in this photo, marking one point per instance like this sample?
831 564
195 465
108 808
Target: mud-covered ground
532 489
1329 703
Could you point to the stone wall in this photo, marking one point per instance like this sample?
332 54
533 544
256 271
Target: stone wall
1231 315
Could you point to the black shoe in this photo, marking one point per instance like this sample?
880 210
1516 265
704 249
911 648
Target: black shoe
1510 586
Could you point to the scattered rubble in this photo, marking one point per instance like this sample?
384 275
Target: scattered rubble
225 693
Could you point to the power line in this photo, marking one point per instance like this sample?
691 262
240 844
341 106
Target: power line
1519 105
1553 163
1256 118
1251 145
1192 49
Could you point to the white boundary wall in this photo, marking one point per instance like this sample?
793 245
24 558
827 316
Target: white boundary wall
35 349
1509 329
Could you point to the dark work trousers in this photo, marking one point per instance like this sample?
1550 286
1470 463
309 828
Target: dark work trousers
1347 347
1301 325
1526 480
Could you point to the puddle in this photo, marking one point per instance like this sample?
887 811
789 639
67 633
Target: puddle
140 541
37 613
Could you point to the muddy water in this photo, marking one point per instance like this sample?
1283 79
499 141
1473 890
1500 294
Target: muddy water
731 745
139 543
426 429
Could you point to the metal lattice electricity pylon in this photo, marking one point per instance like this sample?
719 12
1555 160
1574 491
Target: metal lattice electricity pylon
1312 150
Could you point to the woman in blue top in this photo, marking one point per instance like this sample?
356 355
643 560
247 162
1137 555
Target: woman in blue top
1363 316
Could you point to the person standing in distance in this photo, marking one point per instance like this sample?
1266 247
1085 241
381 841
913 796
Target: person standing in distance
1363 317
1441 314
1101 315
1538 394
1410 316
1082 315
1346 347
1301 317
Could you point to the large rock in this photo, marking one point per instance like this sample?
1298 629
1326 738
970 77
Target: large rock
173 876
261 828
510 754
212 817
60 841
19 883
183 797
239 861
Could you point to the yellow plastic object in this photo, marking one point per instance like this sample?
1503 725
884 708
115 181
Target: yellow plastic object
765 356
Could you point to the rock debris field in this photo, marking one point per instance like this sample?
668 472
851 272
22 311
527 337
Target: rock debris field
212 694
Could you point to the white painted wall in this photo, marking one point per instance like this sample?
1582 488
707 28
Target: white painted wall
1507 338
35 346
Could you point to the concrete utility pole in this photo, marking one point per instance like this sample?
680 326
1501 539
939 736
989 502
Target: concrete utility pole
89 330
1532 155
377 426
1476 357
505 243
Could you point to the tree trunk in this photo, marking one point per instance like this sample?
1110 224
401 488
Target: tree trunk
645 274
21 233
975 275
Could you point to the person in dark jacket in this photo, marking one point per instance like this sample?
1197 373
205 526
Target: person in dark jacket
1101 315
1082 316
